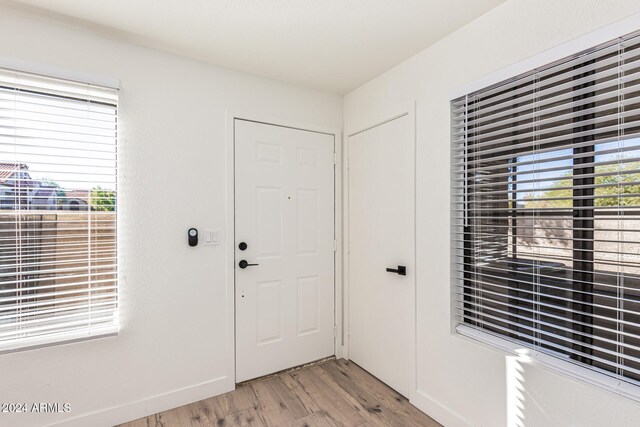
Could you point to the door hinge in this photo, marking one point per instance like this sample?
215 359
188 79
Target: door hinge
335 245
335 158
335 331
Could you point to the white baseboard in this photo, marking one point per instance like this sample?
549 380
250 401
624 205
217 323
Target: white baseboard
438 411
151 405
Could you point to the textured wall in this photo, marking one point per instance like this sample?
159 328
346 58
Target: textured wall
459 381
172 175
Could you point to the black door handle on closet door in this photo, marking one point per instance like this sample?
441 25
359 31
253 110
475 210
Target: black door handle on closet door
401 270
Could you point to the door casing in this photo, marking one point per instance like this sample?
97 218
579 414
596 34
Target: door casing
229 240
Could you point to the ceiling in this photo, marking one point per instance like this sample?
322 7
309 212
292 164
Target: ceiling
331 45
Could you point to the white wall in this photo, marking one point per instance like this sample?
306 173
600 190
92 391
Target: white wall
172 172
460 382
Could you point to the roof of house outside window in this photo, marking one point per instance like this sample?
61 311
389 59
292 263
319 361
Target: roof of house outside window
8 169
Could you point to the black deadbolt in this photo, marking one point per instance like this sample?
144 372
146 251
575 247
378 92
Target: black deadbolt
242 246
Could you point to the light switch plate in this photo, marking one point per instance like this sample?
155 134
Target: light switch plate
211 237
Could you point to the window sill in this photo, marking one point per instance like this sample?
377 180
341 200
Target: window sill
555 364
57 339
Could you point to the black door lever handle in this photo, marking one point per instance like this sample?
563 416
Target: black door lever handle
401 270
244 264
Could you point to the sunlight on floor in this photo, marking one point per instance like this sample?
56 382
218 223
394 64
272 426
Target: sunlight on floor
516 388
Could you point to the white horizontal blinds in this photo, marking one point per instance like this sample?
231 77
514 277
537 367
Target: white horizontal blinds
58 254
546 209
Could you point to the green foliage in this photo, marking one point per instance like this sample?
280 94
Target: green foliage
103 200
622 188
49 182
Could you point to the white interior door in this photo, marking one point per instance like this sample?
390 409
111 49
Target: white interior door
381 236
284 207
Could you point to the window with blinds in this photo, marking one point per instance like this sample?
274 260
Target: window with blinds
58 252
546 209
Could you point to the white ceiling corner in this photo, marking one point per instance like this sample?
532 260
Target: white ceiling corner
330 45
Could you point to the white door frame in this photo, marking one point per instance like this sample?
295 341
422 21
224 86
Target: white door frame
410 112
229 240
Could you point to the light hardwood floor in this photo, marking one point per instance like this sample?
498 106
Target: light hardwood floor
334 393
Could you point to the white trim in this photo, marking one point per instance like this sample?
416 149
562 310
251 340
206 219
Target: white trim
230 252
17 64
148 406
587 41
254 116
439 412
32 343
413 350
345 244
390 119
338 255
555 364
410 111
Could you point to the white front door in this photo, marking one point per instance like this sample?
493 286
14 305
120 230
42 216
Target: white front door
284 242
381 237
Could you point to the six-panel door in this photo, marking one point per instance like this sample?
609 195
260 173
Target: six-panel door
284 206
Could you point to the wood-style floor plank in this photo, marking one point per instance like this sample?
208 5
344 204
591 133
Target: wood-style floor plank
240 399
290 399
375 413
318 419
173 417
310 405
340 410
385 394
205 413
332 394
272 410
246 418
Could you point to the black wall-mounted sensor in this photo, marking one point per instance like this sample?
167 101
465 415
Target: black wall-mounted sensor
192 234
